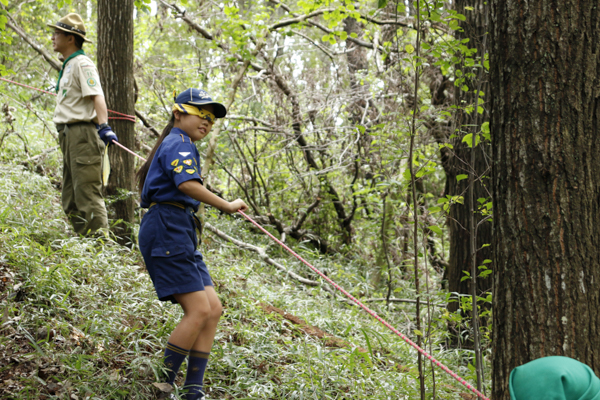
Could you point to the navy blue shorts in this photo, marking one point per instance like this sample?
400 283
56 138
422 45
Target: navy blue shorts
167 241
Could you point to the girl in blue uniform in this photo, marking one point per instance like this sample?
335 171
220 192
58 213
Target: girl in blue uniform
172 189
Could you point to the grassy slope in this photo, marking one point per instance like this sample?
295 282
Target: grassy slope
80 318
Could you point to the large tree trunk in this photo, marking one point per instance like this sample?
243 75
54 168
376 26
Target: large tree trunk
458 161
115 66
546 141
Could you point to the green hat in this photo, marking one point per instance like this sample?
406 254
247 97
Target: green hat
554 378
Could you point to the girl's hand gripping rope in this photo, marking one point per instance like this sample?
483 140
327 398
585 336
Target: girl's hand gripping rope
236 205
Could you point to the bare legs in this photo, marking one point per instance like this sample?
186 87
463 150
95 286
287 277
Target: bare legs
197 329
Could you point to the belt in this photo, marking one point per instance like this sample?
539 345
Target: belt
187 209
61 127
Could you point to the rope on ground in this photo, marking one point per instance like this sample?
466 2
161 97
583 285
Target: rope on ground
125 117
371 312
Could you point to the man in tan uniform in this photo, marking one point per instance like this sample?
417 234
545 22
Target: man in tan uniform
80 117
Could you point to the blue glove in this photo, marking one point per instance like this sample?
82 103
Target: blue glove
106 134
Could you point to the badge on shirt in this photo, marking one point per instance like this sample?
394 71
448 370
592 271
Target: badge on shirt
175 162
184 153
187 162
190 171
91 82
178 169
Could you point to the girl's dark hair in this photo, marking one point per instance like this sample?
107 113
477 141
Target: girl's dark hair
140 176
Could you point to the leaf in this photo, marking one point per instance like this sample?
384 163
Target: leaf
410 48
485 273
163 387
468 139
436 229
381 3
485 127
461 177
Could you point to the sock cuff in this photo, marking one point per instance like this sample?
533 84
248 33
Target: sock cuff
177 349
199 354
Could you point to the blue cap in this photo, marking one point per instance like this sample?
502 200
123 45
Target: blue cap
198 97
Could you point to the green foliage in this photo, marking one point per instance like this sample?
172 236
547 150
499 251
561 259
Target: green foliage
143 5
357 126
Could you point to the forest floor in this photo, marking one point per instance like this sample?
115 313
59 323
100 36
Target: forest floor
80 319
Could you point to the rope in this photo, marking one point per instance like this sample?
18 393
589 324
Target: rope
127 150
371 312
322 275
123 116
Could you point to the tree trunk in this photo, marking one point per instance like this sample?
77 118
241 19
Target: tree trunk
115 66
458 162
545 141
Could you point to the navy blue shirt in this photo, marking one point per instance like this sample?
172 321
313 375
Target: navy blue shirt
176 161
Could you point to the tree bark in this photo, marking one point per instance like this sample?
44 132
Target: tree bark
115 66
458 161
545 141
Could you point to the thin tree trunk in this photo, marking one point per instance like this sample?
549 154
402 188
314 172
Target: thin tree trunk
546 140
458 162
115 66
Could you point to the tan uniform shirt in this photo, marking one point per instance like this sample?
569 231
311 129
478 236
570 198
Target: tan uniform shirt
79 81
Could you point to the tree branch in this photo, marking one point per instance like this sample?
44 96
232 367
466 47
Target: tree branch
12 24
146 123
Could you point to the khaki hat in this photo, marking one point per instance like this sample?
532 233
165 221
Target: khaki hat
71 23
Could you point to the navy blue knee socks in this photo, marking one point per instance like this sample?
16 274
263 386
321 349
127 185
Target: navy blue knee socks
195 374
174 356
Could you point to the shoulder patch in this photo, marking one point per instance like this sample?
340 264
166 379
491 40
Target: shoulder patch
178 169
187 162
190 171
175 162
91 82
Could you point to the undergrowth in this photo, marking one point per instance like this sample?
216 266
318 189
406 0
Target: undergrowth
80 319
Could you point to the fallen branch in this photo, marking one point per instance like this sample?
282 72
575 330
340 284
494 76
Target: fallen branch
262 254
328 339
399 301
